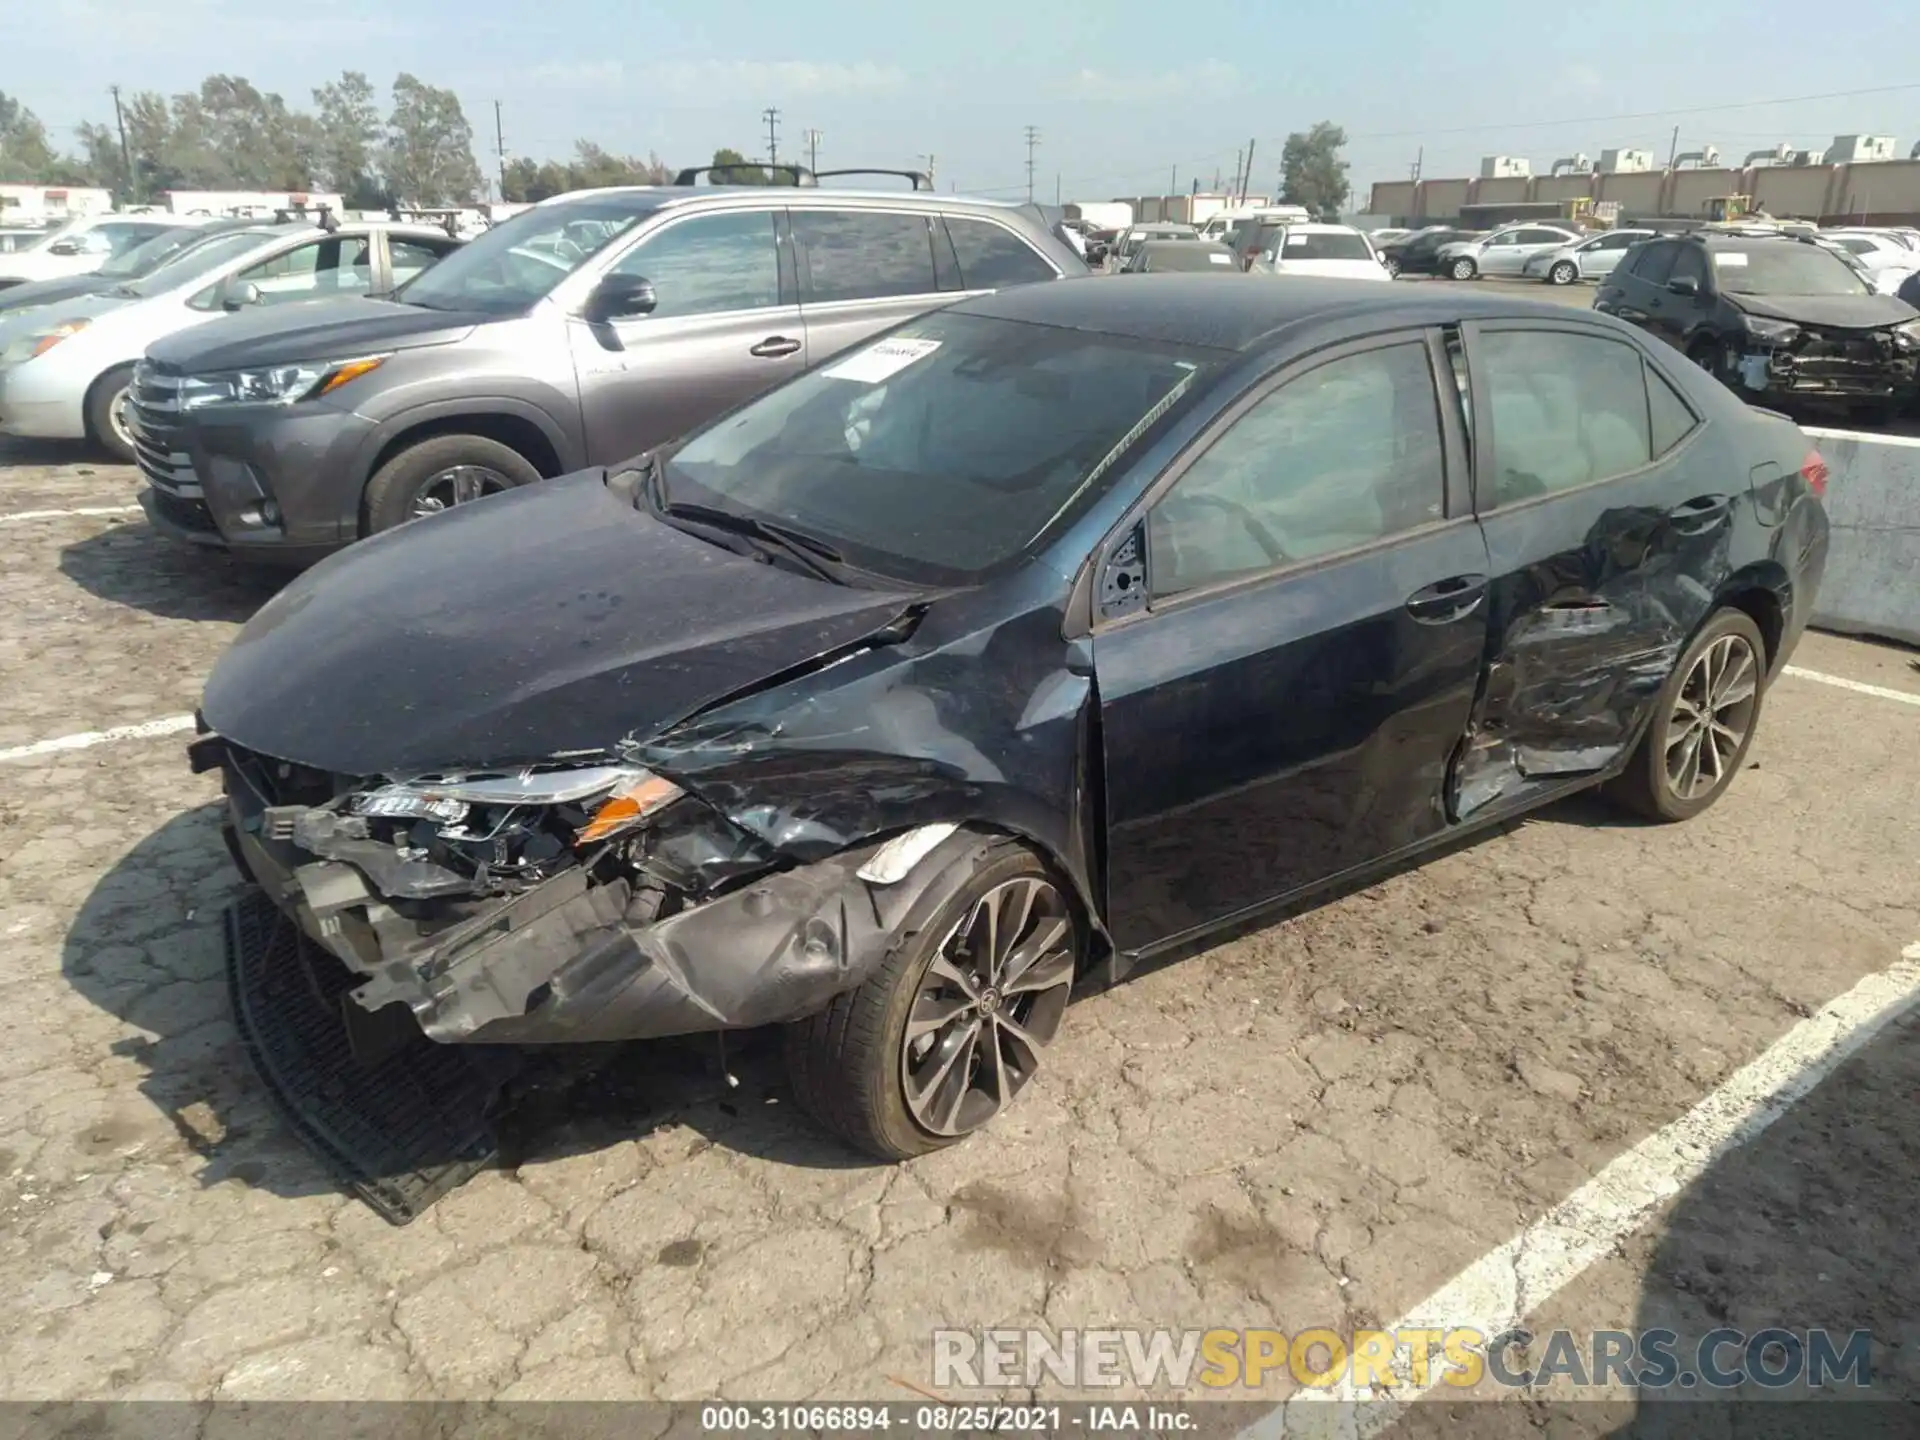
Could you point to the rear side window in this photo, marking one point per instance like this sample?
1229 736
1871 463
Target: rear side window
865 254
1656 263
993 257
1567 410
1672 418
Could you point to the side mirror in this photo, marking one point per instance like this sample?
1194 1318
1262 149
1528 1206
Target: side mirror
1684 285
238 294
64 247
621 297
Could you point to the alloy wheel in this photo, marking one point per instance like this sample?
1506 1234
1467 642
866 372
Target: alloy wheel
117 416
1562 273
1463 269
1711 717
456 485
991 1000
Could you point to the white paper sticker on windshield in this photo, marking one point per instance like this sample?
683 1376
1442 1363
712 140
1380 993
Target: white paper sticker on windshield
1298 239
878 362
1221 259
1729 259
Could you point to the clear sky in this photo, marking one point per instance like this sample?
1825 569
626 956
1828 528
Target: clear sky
1126 94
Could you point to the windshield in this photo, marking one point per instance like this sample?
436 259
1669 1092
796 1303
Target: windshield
945 450
196 261
517 264
1785 268
150 254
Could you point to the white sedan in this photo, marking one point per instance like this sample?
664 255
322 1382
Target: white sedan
1307 249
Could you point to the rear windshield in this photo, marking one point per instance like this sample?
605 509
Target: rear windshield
1173 255
1324 245
1785 268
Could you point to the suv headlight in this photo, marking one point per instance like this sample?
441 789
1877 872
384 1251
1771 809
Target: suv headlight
36 343
1772 332
1906 335
275 384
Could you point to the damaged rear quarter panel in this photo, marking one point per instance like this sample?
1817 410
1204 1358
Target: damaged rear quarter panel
975 719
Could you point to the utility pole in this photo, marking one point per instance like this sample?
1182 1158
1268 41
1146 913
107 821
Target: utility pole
1246 176
1033 139
1173 181
1673 150
813 149
1419 159
772 117
500 149
929 157
1056 187
126 155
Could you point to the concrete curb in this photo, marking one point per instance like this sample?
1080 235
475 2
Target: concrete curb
1872 585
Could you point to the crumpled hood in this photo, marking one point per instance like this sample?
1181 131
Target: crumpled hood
550 620
309 330
1845 312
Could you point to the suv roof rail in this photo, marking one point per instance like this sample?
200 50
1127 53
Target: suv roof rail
921 180
798 174
321 215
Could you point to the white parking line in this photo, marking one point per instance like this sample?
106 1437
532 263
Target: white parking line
1905 697
146 729
62 514
1499 1290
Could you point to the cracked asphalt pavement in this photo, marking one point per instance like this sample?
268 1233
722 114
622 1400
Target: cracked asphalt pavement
1315 1123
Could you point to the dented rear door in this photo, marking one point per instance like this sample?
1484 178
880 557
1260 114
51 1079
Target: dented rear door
1608 526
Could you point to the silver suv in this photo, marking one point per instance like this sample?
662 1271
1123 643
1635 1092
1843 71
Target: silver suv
583 331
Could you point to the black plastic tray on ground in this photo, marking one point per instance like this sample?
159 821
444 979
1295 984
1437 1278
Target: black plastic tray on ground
401 1131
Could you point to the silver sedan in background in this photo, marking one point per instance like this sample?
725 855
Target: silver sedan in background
1586 259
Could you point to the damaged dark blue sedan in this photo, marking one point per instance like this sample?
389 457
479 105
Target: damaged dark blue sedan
1052 630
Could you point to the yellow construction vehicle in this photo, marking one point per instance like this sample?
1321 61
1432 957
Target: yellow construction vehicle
1725 208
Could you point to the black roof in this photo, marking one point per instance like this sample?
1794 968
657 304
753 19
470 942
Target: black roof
1239 313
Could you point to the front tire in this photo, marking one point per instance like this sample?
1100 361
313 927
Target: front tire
1562 273
1705 721
1463 269
441 472
1393 269
949 1029
107 414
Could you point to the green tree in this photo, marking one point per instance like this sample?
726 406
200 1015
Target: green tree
1311 170
26 155
745 174
428 156
348 126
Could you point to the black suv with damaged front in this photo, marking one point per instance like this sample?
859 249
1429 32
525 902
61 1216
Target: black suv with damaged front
1780 321
1054 630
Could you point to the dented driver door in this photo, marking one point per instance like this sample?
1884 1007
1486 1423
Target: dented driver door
1607 505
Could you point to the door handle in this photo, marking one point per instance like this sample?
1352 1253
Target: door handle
1448 599
776 347
1702 512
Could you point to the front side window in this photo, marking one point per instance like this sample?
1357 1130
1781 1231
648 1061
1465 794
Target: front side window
948 448
1339 457
1567 410
993 257
338 265
200 259
1656 264
709 264
1689 264
865 254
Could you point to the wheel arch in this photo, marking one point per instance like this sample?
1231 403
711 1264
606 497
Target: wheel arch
1764 593
522 428
92 393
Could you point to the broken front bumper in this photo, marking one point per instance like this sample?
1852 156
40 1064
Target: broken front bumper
573 961
1834 368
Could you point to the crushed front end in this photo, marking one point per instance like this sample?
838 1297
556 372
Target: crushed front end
407 940
1782 361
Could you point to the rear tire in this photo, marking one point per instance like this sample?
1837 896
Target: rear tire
1463 269
442 468
850 1065
1703 723
106 413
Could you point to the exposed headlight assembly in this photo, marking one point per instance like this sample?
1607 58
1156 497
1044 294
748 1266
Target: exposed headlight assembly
275 384
612 798
1772 332
1906 335
36 343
